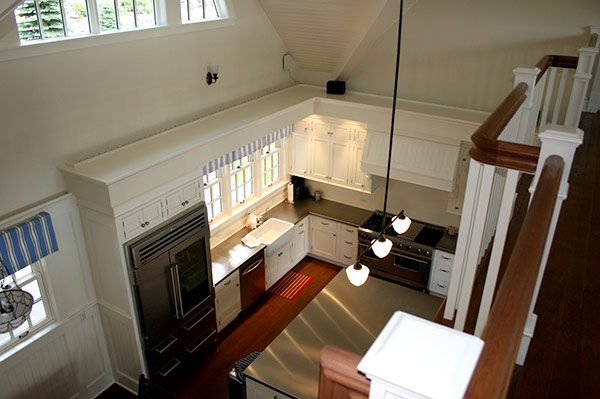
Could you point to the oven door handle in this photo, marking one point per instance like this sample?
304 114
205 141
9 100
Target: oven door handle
408 257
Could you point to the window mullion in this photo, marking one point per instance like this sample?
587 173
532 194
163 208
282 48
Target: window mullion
64 17
93 17
226 190
117 16
39 18
258 168
135 16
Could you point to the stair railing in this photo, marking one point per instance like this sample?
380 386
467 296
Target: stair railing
504 148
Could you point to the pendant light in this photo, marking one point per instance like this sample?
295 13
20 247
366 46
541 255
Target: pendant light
401 223
381 246
15 304
357 273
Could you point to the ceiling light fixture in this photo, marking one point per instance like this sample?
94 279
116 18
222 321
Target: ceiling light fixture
381 245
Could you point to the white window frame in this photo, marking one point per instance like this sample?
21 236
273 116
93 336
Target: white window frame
241 169
218 5
168 22
263 157
22 280
229 209
208 185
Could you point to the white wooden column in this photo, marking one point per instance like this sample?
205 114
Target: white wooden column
593 95
562 141
531 106
583 74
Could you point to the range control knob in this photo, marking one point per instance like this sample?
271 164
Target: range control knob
418 251
408 247
427 253
399 246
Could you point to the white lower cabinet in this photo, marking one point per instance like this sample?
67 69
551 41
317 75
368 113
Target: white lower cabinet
441 269
228 300
324 237
278 263
256 390
333 241
301 240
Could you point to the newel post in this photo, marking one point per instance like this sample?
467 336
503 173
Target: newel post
562 141
531 106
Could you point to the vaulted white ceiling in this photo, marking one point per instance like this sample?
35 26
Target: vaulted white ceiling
331 36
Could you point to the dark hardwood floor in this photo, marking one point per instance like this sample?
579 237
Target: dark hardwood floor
564 356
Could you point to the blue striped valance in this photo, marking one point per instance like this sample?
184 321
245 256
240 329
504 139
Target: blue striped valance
245 150
27 242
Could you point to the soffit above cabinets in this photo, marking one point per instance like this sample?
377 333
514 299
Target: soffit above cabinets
327 35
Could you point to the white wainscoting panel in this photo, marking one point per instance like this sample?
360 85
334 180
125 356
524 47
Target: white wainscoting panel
121 338
68 360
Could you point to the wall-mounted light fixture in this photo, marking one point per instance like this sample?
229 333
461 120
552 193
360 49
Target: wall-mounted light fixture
211 75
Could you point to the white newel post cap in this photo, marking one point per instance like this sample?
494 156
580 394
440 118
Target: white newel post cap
417 358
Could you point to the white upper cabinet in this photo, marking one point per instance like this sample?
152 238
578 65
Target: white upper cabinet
183 198
326 151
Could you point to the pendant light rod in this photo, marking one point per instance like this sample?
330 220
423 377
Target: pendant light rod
387 179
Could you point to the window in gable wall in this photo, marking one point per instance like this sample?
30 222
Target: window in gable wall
52 19
199 10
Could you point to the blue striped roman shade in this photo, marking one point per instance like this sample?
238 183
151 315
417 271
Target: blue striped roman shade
247 149
27 242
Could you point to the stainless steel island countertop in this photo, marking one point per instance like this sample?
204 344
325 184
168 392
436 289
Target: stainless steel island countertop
343 315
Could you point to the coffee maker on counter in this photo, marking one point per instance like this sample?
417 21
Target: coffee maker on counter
300 189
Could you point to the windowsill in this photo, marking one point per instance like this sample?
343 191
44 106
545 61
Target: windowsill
11 350
81 42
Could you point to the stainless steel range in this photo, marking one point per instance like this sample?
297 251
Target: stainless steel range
409 261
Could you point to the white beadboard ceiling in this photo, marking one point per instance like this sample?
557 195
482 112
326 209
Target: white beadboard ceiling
329 35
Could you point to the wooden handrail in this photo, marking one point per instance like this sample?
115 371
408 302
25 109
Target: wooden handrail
488 149
504 329
559 61
339 378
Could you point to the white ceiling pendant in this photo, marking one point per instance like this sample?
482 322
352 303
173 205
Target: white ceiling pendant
401 223
357 274
382 247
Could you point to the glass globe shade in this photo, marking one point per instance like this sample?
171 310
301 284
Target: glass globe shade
357 276
401 225
382 247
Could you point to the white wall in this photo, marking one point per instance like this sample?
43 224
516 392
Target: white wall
69 358
70 105
419 202
462 52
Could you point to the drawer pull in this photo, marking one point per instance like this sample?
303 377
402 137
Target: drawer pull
301 225
164 348
173 367
347 257
253 266
301 232
194 322
325 224
350 230
227 282
212 332
441 285
348 242
445 257
444 270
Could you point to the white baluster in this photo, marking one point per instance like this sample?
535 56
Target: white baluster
583 74
563 141
529 110
560 94
548 96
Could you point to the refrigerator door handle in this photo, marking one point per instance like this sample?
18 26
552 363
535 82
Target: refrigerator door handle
179 290
175 291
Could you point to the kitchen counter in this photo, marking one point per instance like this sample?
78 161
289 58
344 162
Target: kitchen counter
341 314
447 243
231 253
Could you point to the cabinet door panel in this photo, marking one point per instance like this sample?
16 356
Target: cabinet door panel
270 270
284 259
300 241
228 300
339 162
358 178
324 243
300 157
321 158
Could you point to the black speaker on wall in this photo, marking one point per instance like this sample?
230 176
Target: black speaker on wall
336 87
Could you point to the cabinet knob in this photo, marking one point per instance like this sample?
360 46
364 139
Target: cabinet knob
444 270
